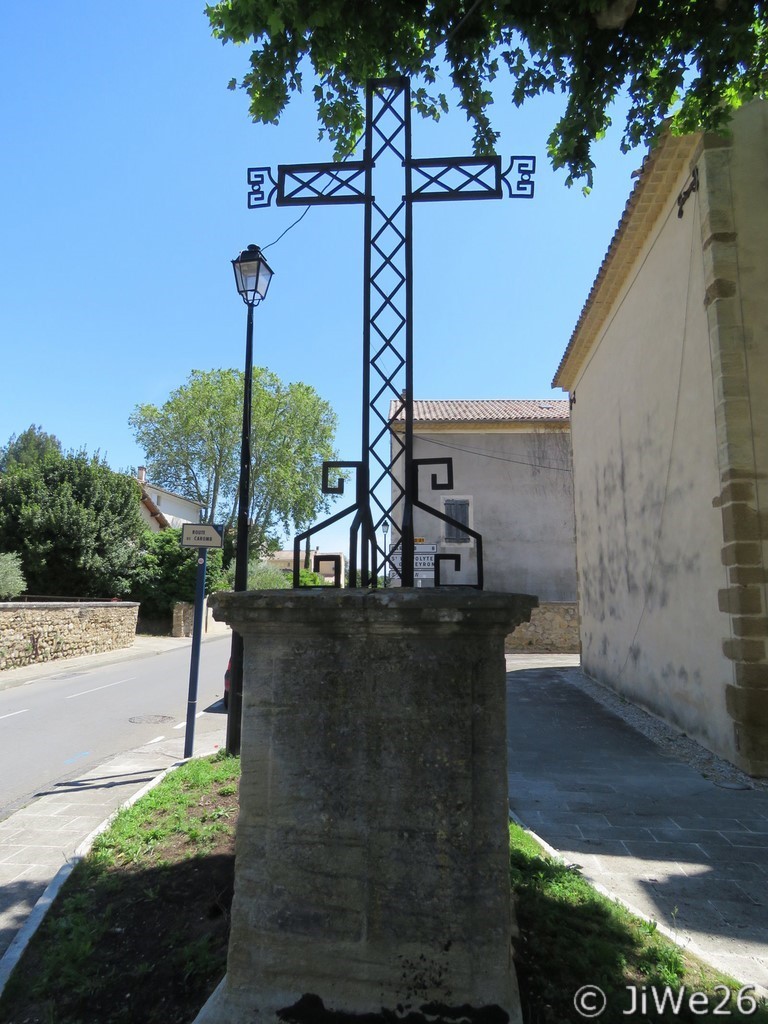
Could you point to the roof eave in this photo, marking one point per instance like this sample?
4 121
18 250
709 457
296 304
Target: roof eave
648 200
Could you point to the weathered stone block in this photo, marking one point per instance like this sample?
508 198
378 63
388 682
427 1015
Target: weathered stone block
748 707
740 600
741 553
754 675
747 574
750 626
740 522
372 850
744 650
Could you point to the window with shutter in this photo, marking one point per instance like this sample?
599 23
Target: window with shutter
457 509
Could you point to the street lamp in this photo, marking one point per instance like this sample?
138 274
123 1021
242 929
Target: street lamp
385 530
252 277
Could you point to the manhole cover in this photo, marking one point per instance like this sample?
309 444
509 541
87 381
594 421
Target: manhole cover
151 719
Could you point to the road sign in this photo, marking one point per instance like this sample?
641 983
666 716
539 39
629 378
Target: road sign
423 558
202 535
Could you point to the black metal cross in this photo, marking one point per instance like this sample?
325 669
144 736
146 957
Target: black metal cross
387 181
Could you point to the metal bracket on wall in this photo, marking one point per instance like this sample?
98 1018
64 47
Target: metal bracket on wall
682 199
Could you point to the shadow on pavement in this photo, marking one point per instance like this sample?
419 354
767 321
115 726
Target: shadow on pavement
647 826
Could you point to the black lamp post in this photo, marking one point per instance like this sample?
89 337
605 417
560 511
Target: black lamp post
252 276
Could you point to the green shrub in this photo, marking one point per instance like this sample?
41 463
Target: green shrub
167 573
262 576
12 582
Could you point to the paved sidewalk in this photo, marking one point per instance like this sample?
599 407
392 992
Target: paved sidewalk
40 842
683 850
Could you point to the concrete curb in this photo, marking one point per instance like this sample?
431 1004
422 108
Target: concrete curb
684 942
23 937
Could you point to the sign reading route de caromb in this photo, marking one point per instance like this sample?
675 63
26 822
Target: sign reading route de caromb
202 535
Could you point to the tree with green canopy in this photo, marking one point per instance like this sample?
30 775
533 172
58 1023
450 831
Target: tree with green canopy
31 446
696 59
74 523
192 446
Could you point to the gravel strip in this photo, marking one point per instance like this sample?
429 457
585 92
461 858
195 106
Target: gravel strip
665 736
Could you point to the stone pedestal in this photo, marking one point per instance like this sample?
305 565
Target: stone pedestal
372 844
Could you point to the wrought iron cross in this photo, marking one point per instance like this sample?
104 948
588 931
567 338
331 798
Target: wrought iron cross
387 182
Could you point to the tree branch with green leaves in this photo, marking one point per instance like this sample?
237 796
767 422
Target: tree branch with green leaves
695 59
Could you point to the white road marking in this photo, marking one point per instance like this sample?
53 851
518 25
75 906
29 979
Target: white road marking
157 739
12 713
182 724
105 687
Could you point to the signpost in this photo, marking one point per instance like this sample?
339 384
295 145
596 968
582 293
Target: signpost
201 536
423 561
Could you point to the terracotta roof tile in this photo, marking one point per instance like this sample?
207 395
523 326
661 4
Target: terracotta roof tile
487 410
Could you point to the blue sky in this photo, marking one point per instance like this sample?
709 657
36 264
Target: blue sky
123 199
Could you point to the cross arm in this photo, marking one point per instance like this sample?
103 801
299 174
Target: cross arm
478 177
307 184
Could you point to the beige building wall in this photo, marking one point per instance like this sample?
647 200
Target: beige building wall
668 370
646 475
519 484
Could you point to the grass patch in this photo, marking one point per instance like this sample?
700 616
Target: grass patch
572 936
139 932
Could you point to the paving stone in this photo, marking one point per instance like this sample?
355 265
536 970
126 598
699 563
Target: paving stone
614 832
691 835
752 839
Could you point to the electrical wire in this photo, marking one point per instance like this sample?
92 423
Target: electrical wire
298 220
489 455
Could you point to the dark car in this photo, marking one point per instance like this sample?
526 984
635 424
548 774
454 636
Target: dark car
227 677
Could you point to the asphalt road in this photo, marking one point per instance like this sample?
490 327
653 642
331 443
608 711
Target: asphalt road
62 723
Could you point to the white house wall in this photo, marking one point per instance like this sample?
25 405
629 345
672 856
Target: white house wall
646 476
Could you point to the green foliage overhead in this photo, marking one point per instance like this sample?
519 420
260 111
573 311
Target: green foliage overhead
12 582
710 53
167 573
74 523
192 445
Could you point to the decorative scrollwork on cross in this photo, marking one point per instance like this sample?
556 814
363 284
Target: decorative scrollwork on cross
260 195
525 168
447 485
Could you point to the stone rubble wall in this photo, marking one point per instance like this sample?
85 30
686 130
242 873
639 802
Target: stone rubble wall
184 616
44 631
554 628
